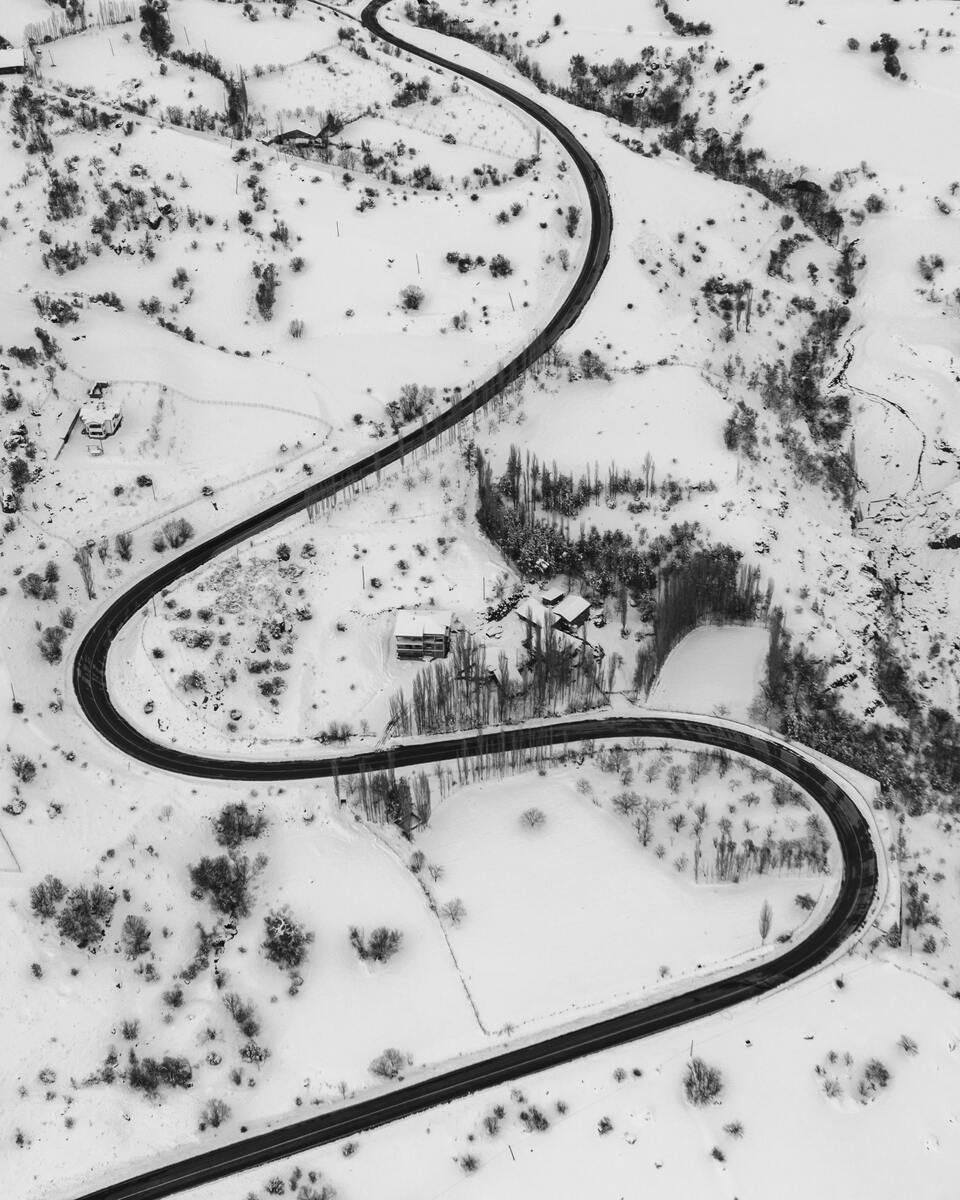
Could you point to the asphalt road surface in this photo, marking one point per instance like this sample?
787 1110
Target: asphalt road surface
859 880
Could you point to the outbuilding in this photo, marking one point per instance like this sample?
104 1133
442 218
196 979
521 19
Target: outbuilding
294 137
551 596
422 633
12 62
571 613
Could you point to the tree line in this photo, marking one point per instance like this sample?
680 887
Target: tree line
657 101
918 760
713 585
554 675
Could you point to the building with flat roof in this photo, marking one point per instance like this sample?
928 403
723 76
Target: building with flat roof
12 61
551 596
422 633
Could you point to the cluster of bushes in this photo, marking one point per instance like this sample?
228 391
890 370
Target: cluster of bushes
740 430
50 644
736 301
134 936
380 946
590 366
411 93
155 33
63 197
413 402
200 60
56 309
85 912
684 28
411 298
235 824
702 1083
227 880
888 47
64 257
386 798
464 262
43 587
389 1064
173 534
286 941
266 293
28 112
795 390
243 1013
149 1075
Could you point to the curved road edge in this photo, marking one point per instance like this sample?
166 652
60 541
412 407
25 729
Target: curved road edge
854 905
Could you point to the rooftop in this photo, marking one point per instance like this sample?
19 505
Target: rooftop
98 410
420 622
572 608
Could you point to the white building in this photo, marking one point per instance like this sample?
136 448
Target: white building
100 418
422 633
12 62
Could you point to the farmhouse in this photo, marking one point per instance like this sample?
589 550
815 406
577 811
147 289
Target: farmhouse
100 418
571 613
422 633
12 62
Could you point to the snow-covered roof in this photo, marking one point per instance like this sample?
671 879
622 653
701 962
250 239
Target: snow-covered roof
11 59
417 622
98 410
551 595
572 609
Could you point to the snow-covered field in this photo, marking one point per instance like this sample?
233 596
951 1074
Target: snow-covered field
135 231
713 668
788 1135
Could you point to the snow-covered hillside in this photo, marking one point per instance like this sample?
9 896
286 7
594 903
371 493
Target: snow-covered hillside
278 244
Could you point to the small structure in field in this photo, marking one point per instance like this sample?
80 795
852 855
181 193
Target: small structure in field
294 137
571 613
100 418
551 596
12 61
422 633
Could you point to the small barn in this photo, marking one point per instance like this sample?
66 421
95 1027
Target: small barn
294 137
12 62
422 633
571 613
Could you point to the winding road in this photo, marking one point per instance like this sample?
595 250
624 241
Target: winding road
857 891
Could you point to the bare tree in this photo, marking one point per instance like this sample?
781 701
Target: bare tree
453 911
766 919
